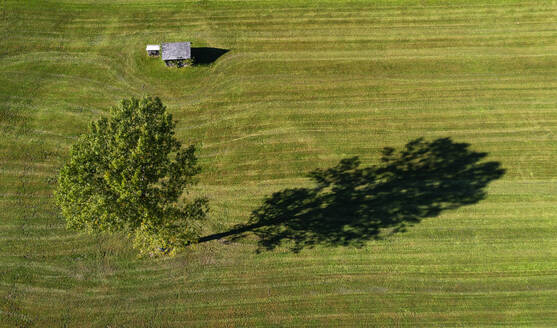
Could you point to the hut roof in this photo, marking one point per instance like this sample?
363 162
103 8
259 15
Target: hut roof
176 50
151 47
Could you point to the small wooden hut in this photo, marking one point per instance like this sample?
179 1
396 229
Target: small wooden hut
176 53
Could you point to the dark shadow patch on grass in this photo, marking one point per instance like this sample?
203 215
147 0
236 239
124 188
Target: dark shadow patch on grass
350 205
206 55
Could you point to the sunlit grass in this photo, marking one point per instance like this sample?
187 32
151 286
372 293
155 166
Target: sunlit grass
305 83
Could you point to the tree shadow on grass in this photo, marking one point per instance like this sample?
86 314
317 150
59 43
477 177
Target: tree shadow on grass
350 205
206 55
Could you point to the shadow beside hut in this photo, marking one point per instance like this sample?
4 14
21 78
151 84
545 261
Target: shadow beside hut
206 55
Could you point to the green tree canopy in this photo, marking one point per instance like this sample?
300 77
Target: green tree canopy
129 173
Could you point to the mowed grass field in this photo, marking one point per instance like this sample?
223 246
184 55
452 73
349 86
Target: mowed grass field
303 85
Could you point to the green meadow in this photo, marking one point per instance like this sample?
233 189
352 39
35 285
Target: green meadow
303 85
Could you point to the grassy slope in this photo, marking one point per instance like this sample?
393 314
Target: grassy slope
303 86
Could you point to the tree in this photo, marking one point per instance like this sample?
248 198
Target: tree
129 173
